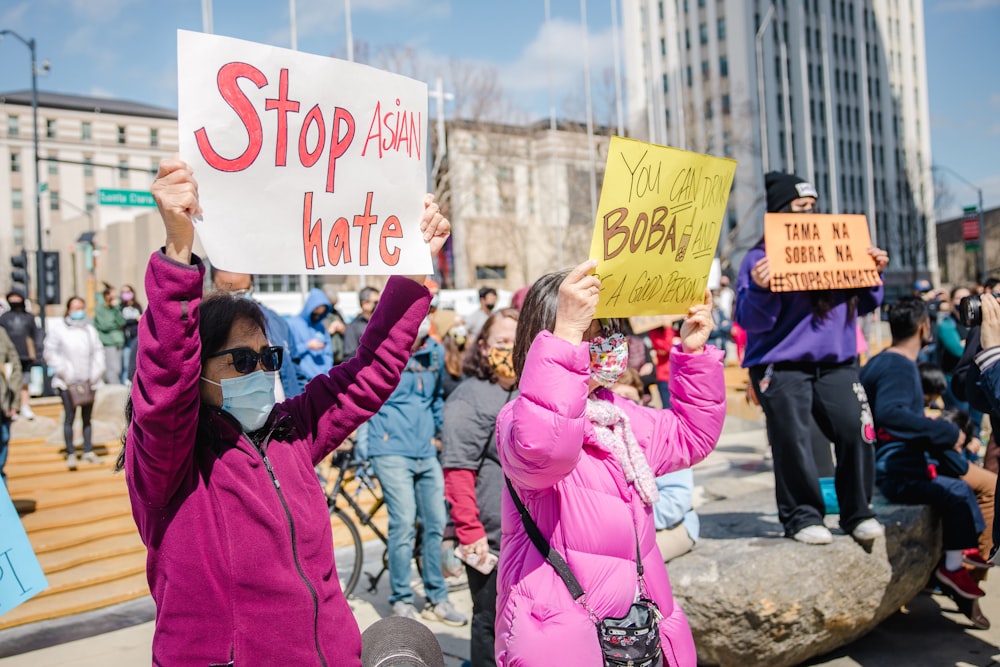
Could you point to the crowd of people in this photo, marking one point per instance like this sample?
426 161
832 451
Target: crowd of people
457 417
556 447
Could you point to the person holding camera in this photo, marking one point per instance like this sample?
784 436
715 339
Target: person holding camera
988 363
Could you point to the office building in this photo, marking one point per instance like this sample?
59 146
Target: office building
834 91
94 151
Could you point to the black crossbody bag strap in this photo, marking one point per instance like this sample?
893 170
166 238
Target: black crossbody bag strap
554 557
551 555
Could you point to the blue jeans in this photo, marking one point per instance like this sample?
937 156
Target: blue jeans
413 488
128 359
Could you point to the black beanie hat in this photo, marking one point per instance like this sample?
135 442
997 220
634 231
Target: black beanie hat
783 189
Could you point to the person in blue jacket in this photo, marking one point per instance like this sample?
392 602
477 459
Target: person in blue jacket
403 444
312 350
988 364
802 356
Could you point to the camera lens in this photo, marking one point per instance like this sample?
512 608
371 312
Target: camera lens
970 311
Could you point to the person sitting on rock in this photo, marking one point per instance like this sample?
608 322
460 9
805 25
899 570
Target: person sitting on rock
906 439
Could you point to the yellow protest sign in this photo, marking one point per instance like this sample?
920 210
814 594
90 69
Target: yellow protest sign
813 251
658 224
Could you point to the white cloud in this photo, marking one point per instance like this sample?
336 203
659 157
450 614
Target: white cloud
100 11
10 19
557 53
321 17
101 91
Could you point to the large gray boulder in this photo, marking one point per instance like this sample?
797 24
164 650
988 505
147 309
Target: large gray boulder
754 597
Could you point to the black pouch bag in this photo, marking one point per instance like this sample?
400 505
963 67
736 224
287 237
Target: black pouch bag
632 640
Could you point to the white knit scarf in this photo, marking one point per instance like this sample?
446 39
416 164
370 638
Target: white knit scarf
614 431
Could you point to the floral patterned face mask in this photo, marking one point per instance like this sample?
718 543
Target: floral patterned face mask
502 361
608 358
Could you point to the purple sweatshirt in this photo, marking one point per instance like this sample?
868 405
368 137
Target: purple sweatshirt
240 558
781 327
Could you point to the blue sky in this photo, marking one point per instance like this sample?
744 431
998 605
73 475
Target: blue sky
127 49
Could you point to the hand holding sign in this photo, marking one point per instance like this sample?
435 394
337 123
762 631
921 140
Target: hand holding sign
761 273
434 226
176 195
578 296
697 326
881 258
435 229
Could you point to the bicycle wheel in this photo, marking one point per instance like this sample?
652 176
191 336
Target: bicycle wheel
347 550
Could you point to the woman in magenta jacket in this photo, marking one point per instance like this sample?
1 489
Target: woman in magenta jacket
566 445
240 559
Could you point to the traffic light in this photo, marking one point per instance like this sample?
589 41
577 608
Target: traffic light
50 278
19 274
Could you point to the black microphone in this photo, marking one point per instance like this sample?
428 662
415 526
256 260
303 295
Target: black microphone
398 641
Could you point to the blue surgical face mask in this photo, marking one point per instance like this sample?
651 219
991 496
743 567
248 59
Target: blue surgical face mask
249 398
77 315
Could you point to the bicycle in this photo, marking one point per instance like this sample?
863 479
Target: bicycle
349 558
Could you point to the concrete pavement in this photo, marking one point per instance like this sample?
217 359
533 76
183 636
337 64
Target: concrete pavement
929 632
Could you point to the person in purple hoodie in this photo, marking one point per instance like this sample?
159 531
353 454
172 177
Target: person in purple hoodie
240 561
801 352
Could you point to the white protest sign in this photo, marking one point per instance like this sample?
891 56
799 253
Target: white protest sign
305 164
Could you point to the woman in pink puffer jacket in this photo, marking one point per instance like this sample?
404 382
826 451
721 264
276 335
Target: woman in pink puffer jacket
566 445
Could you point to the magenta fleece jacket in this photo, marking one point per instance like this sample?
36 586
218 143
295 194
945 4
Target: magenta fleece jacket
576 492
240 563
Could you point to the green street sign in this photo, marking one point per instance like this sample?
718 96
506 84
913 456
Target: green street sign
125 198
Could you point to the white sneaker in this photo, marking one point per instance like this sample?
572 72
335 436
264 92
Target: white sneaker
817 534
71 461
868 530
27 413
404 609
91 457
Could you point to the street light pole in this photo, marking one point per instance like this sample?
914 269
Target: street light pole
761 105
39 294
982 223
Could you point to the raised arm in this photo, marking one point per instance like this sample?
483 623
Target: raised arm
540 434
688 432
165 398
333 405
871 298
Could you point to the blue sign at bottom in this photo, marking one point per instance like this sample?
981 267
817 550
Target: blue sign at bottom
21 577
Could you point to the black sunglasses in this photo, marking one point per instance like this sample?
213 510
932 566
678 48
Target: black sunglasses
245 359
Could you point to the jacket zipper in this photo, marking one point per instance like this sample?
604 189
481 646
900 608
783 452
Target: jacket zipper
295 551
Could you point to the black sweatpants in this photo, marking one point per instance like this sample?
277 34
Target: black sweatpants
69 414
792 395
483 588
